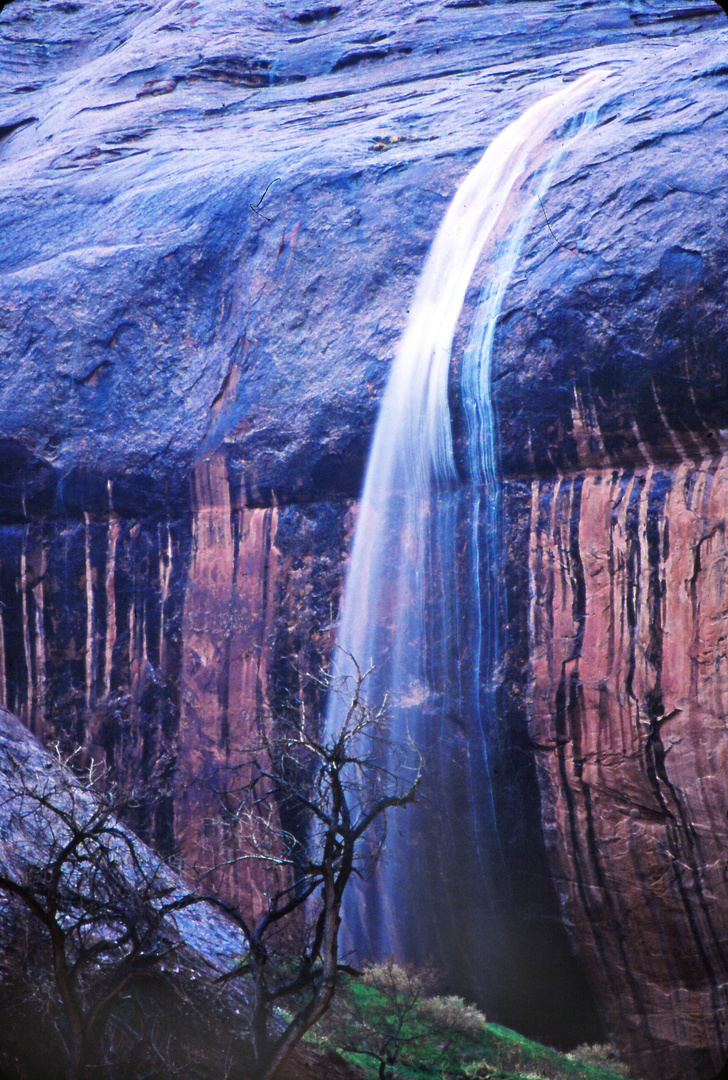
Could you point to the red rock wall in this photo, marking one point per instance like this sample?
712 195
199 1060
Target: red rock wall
159 646
229 618
629 666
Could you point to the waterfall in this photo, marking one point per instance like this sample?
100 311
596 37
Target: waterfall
403 616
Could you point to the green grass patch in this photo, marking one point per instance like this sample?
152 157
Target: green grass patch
386 1025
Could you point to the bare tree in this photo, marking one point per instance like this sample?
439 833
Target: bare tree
102 903
310 812
342 784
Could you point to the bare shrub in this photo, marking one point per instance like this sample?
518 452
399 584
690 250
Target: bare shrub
342 785
376 1015
453 1015
604 1055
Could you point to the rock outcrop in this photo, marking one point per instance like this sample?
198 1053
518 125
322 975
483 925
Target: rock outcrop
625 441
213 216
188 1021
192 1020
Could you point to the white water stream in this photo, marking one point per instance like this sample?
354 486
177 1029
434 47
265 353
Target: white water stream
401 615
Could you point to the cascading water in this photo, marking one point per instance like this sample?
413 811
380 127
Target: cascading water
422 525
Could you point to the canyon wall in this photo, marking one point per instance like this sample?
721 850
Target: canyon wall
628 656
622 521
213 219
145 636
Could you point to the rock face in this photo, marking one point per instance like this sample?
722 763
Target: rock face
628 654
626 555
213 216
185 954
192 1021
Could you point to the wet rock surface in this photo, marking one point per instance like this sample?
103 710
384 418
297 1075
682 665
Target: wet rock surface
213 217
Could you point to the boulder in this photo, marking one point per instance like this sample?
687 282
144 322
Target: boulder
186 1018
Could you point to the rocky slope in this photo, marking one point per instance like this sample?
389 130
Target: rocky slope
192 1021
213 216
41 802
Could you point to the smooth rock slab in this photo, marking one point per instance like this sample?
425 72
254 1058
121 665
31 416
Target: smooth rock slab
213 215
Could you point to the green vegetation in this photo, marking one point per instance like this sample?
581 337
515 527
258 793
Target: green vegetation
388 1026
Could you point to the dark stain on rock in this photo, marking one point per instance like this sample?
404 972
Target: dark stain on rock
317 14
360 56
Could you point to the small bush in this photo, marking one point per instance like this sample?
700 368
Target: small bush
451 1015
398 983
605 1055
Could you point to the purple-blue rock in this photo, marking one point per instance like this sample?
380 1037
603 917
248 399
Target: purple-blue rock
213 219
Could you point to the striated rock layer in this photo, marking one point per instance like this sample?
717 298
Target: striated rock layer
147 639
628 622
612 394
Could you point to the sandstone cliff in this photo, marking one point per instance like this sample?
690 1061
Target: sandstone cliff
626 611
213 217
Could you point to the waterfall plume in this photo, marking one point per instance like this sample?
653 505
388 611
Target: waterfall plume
429 646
